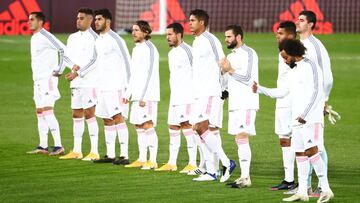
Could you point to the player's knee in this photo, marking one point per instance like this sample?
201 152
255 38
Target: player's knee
109 122
90 112
77 113
147 125
185 125
174 127
311 151
39 110
285 142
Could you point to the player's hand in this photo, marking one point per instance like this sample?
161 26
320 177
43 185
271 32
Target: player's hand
333 116
75 68
301 120
56 73
225 65
125 101
142 103
254 87
71 76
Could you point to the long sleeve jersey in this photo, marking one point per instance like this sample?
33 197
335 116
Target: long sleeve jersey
144 82
81 50
207 51
245 62
305 90
113 64
181 79
316 52
45 48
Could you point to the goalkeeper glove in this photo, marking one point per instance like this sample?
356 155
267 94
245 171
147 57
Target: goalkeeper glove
333 116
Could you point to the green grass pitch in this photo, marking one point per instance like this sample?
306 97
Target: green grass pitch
40 178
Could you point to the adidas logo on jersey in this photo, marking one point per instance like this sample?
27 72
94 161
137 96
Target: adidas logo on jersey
14 21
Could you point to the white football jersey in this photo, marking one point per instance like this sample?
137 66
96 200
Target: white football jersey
144 82
316 52
245 62
283 82
45 48
81 50
207 51
305 90
181 77
113 61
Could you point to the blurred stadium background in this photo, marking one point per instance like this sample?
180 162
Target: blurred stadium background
25 178
334 16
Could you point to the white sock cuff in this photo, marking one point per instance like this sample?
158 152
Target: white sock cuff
150 131
301 159
40 115
121 126
140 131
315 158
206 133
110 128
174 133
91 120
78 120
188 132
48 112
241 141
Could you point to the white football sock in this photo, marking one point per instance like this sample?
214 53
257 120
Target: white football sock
303 166
93 129
110 138
288 163
43 130
244 153
153 143
123 134
199 142
208 155
174 146
78 130
142 142
191 145
54 127
319 168
214 146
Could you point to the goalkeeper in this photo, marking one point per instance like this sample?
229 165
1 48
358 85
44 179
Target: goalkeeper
316 52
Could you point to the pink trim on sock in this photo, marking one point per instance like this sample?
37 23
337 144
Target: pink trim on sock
121 126
301 158
241 141
120 96
188 109
315 158
174 133
48 112
50 83
316 133
110 128
78 120
206 133
94 93
140 130
40 115
209 104
248 117
188 132
149 108
150 131
91 120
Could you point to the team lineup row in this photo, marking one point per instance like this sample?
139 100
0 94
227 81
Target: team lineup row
104 78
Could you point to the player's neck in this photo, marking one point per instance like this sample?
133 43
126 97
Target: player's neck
239 45
202 30
305 35
37 30
105 31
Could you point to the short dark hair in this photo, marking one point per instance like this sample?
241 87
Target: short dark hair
289 27
104 12
39 15
201 15
87 11
310 17
177 27
236 29
144 27
292 47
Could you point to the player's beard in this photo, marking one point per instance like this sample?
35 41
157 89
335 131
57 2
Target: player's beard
232 45
292 64
101 28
